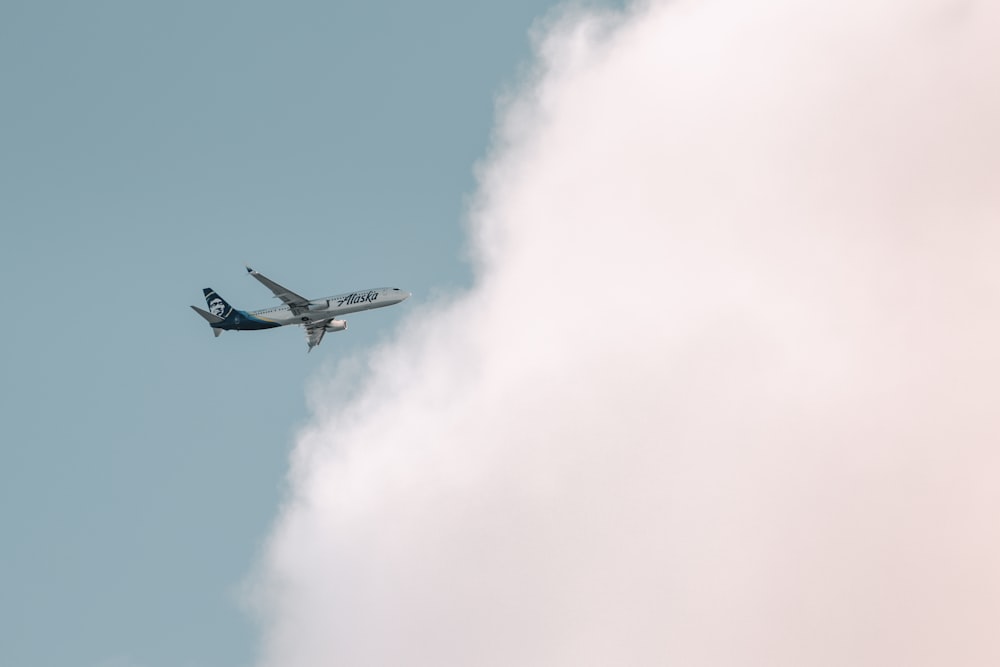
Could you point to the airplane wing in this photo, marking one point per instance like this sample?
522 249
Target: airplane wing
314 334
298 304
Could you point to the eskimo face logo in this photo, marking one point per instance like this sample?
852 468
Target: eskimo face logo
217 307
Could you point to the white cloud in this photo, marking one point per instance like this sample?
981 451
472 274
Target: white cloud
725 391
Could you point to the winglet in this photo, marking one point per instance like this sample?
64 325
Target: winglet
250 271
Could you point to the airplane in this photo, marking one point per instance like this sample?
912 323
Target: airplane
318 316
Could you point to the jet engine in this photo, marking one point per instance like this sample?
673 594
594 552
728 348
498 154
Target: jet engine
335 325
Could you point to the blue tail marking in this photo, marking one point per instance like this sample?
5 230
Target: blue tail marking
231 317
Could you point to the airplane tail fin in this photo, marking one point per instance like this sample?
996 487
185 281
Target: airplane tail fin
217 306
218 311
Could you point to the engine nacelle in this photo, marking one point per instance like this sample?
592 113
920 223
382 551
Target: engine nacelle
335 325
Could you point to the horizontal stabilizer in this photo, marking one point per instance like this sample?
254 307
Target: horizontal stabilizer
212 319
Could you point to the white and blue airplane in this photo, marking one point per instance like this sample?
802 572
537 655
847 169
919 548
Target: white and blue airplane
318 316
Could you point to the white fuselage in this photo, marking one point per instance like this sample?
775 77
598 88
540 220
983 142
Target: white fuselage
334 306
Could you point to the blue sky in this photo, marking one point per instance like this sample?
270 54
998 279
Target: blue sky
148 150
